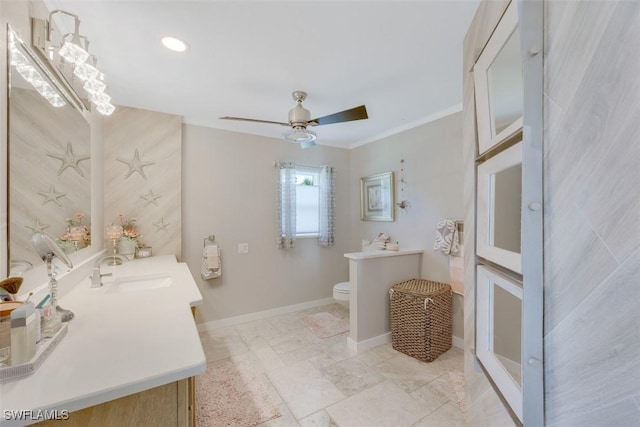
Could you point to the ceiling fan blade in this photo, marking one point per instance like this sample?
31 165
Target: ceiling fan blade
242 119
357 113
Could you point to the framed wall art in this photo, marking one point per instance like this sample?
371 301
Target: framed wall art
377 197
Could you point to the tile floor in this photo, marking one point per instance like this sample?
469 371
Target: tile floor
320 382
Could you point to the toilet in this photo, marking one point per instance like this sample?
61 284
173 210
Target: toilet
341 293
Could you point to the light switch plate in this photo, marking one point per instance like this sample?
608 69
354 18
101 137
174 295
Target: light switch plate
243 248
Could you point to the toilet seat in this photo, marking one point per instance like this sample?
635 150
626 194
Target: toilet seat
342 287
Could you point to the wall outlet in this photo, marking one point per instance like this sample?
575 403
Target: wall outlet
243 248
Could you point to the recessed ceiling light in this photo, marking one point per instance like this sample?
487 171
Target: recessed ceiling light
174 44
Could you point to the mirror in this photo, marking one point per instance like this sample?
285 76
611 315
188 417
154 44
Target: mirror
49 168
499 332
506 186
499 85
505 85
498 237
507 327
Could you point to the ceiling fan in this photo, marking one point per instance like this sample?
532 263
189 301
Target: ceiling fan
300 118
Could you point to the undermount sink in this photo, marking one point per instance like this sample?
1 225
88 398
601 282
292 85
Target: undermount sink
141 283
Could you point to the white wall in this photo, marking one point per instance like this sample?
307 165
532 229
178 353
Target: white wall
432 156
230 189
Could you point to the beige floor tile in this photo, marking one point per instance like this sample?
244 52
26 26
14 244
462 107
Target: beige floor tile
319 419
303 353
222 343
377 354
255 343
292 340
256 328
286 420
268 358
383 405
304 389
448 415
285 323
336 347
443 386
429 398
408 373
450 360
320 382
351 376
321 360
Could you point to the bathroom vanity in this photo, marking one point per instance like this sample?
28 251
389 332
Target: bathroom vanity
371 275
129 356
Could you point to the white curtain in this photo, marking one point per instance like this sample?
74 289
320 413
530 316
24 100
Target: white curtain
287 205
327 206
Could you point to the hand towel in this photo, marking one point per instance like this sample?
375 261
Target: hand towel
209 259
447 239
213 261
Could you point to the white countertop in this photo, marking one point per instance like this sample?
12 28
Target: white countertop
117 344
381 254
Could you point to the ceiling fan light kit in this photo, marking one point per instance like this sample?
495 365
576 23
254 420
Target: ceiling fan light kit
301 136
300 118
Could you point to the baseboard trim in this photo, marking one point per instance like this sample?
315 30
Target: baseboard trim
362 346
230 321
457 342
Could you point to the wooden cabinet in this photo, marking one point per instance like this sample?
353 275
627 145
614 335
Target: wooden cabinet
171 404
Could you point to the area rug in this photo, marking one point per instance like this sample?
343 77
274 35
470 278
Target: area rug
230 397
324 324
458 383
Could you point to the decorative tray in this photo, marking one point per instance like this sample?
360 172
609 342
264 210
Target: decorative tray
45 347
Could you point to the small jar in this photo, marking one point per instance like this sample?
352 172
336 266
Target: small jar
6 308
143 252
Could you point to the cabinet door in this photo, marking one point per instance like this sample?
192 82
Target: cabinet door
498 84
499 202
499 332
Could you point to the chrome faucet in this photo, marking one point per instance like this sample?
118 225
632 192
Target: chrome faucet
96 276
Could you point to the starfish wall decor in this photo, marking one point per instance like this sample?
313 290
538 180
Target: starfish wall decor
37 227
150 198
52 196
161 225
69 160
135 165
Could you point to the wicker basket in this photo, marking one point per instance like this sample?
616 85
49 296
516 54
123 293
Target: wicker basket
421 318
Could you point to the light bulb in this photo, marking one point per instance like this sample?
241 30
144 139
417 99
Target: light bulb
94 86
106 109
73 53
99 98
86 71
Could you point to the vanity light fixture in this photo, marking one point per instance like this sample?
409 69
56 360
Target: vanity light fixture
30 74
74 50
175 44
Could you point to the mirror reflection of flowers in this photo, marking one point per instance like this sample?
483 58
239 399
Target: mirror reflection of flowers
77 235
129 231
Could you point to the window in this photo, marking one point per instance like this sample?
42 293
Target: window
307 202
